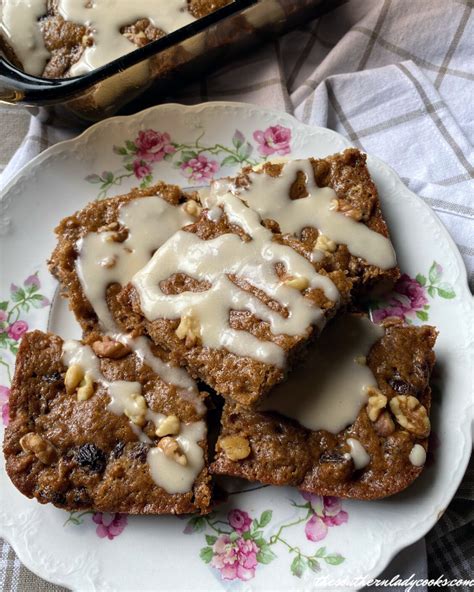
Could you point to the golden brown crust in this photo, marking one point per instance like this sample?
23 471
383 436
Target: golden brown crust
100 463
285 453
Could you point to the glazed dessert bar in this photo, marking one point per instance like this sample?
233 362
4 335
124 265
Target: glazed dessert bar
238 296
357 427
101 247
59 38
93 427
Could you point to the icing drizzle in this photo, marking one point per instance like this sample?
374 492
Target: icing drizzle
213 261
270 197
103 20
328 390
171 476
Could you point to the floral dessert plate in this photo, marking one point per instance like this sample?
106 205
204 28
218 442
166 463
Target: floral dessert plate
261 538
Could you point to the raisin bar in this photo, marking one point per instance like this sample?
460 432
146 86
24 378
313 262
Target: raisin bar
352 421
239 295
92 427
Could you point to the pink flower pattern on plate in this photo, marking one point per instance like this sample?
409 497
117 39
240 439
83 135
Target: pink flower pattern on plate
153 146
109 525
4 396
17 329
274 140
239 520
235 559
200 168
32 280
327 512
408 297
141 169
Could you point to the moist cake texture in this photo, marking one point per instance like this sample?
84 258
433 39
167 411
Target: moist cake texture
378 452
94 444
238 296
57 39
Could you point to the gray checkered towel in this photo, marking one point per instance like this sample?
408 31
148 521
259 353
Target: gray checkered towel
396 78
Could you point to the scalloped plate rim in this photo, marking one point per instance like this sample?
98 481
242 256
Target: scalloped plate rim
467 427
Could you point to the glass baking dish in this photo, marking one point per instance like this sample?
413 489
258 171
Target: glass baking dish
162 65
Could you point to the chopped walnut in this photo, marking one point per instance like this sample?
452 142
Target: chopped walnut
411 415
377 401
137 413
108 227
168 427
347 209
109 348
324 243
298 283
74 375
40 447
86 388
172 450
234 447
189 329
192 208
108 262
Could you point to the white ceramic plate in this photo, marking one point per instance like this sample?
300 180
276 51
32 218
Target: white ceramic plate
258 540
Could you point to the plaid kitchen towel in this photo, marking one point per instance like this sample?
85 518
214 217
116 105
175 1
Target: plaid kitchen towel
396 78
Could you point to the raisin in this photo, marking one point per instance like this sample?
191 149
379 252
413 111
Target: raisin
58 498
332 457
53 377
118 450
334 468
399 385
140 452
91 457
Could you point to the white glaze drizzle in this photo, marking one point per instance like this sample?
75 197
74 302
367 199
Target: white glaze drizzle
176 478
150 221
328 390
171 476
212 261
417 455
270 197
19 26
358 453
103 19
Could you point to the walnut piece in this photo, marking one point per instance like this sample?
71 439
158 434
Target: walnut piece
74 375
168 427
137 410
108 227
109 348
234 447
192 208
86 388
411 415
298 283
377 401
324 243
347 209
41 448
172 450
189 329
